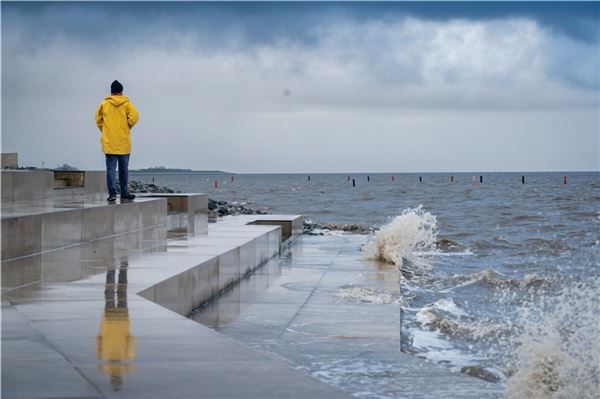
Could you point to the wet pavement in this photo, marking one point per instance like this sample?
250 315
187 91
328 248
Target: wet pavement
77 321
333 314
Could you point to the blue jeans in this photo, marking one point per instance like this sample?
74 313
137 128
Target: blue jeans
111 166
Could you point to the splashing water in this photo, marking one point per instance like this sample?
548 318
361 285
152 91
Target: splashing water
399 240
368 295
557 353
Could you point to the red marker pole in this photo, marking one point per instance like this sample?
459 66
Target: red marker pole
565 179
216 184
451 179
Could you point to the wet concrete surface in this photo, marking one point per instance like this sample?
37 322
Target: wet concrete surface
76 325
294 308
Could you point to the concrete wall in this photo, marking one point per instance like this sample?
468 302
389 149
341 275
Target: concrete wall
24 235
187 290
187 212
10 160
23 185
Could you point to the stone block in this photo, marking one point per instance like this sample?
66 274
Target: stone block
97 222
60 229
204 280
187 213
262 248
31 184
10 160
229 268
291 226
21 235
69 178
128 217
175 294
248 258
95 182
68 264
153 213
21 272
7 179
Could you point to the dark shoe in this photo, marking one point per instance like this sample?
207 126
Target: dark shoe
112 198
127 198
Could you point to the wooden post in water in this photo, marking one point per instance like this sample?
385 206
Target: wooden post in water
353 183
480 179
216 184
522 179
420 179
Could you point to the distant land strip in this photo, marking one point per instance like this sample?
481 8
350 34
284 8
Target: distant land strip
164 170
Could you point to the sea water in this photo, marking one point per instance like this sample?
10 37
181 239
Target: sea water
498 279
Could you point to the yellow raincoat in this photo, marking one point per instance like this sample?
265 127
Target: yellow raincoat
115 117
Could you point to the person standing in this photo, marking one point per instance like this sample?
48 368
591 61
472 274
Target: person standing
115 117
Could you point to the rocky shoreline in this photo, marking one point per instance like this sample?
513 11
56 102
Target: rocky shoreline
224 208
217 208
319 229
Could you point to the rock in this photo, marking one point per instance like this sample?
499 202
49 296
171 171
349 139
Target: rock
139 187
480 372
311 228
212 205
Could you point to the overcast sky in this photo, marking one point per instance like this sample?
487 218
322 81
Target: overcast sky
308 87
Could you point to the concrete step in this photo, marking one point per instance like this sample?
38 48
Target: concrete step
31 227
187 213
25 185
56 321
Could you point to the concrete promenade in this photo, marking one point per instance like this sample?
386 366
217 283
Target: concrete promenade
95 297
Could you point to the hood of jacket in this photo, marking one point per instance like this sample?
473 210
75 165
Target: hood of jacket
117 101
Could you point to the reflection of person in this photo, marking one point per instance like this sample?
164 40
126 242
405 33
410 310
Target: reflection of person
114 345
115 117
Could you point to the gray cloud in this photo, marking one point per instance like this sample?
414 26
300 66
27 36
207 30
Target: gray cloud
395 94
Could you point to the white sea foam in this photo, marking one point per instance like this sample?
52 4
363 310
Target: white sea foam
492 277
557 353
448 305
412 231
438 253
368 295
447 318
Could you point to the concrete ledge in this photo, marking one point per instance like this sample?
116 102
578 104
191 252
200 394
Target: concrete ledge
24 185
88 182
27 185
10 160
31 227
62 301
187 212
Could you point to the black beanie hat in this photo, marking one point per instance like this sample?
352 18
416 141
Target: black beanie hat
116 87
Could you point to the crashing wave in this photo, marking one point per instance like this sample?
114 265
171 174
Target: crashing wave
557 353
398 241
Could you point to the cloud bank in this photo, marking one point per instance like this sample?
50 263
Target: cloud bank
429 94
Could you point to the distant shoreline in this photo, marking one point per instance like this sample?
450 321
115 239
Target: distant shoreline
191 172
